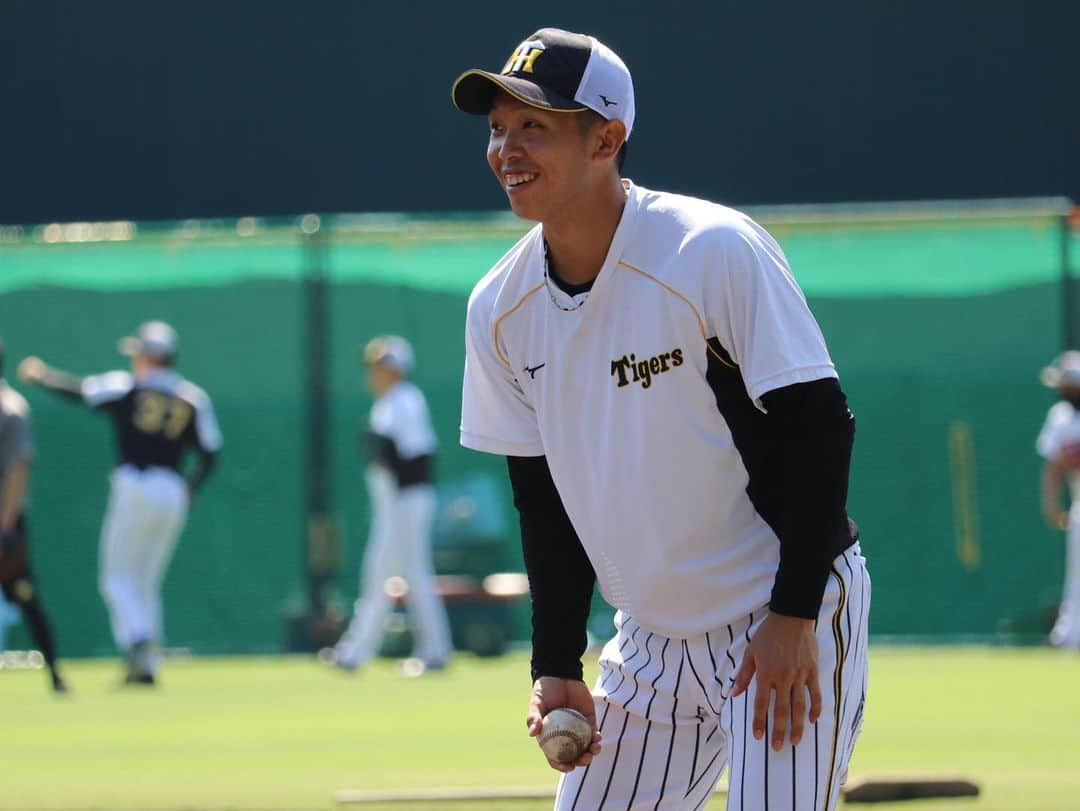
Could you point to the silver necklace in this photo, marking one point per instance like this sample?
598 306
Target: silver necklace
577 305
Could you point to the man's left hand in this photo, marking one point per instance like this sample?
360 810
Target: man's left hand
783 656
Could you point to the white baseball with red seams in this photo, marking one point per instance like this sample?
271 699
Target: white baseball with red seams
565 735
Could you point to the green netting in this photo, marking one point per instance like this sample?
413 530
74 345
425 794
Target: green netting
944 260
938 330
156 264
835 258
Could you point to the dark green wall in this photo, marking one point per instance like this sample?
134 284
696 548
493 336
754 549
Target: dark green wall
180 109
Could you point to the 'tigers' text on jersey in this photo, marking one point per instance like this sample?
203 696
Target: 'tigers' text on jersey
628 369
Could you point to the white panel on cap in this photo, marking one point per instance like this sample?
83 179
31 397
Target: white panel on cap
606 86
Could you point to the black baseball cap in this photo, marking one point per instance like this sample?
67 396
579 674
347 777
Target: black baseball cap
555 70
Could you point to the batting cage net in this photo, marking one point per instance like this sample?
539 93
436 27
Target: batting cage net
939 318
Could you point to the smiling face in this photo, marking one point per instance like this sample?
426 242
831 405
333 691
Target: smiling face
545 161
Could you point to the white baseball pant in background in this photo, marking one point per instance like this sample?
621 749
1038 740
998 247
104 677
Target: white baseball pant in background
399 544
1066 631
146 512
669 725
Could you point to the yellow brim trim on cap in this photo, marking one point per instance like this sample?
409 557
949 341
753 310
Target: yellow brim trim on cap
509 90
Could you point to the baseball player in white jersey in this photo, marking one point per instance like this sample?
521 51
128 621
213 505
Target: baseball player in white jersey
675 432
157 416
1059 445
400 446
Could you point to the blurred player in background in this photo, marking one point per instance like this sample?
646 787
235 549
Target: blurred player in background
157 415
1059 445
400 446
675 431
16 577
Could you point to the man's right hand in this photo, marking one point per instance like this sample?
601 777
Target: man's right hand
549 693
1056 518
31 369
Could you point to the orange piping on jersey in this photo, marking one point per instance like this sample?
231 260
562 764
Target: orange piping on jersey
499 320
690 304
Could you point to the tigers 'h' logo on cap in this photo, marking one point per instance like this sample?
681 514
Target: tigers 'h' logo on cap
524 57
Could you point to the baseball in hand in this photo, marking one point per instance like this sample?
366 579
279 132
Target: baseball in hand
565 735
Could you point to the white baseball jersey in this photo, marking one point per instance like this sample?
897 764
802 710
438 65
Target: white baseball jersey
1061 434
401 414
692 318
16 441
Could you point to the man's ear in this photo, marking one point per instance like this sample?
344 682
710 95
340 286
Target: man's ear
611 135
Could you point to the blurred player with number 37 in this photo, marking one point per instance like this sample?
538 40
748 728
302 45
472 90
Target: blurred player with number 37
1059 445
157 415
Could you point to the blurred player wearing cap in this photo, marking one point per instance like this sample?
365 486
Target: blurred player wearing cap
676 433
1059 446
16 577
157 416
400 446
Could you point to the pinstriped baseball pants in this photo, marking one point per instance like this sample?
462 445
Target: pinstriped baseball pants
669 727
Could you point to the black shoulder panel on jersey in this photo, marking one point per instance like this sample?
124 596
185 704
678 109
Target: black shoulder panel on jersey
408 471
797 458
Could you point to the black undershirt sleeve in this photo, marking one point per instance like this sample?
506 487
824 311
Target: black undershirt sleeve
561 578
814 432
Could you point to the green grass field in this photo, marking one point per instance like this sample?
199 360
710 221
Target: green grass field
286 733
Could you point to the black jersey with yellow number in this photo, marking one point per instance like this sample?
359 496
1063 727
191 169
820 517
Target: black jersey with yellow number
156 416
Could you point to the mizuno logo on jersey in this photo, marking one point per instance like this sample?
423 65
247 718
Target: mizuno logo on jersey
524 57
628 369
